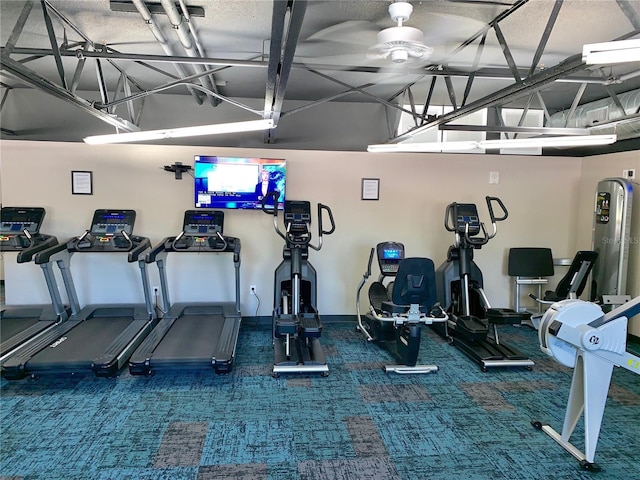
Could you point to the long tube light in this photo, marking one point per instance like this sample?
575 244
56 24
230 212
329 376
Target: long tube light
558 141
423 147
620 51
564 141
199 130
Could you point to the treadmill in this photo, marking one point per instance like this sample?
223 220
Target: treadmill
19 324
198 335
99 337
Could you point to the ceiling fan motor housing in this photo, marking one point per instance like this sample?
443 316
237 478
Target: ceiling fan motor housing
402 42
400 11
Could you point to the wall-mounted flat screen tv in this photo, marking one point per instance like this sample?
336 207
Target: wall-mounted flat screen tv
238 182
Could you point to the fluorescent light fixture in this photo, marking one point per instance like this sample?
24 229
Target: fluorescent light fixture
181 132
564 141
535 142
611 52
423 147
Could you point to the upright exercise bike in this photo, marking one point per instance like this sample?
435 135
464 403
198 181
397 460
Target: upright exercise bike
296 323
399 308
459 285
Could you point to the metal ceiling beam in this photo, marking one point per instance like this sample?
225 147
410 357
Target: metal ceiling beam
362 91
507 52
630 12
54 45
484 73
18 27
474 67
33 79
574 104
286 22
545 35
504 95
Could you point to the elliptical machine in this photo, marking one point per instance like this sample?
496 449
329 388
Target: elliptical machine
296 323
459 285
399 308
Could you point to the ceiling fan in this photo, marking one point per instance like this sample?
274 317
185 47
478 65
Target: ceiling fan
365 43
400 43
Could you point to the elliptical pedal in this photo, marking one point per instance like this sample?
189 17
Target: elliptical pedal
310 326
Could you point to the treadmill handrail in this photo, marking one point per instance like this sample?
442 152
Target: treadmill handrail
44 256
27 255
137 251
153 254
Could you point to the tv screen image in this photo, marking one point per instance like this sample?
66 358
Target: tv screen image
237 182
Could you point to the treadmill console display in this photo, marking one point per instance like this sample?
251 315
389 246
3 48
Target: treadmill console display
203 222
14 223
111 231
390 254
467 214
201 231
112 222
16 220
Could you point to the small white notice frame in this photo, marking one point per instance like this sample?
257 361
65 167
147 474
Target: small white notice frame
370 189
81 182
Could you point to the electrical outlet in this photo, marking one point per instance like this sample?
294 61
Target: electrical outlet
629 174
253 290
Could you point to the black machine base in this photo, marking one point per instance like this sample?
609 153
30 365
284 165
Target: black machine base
488 352
402 341
305 356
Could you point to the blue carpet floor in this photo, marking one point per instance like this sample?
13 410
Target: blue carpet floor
358 423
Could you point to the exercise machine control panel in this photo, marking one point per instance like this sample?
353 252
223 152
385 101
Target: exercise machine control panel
201 231
297 216
390 254
467 217
20 232
111 231
203 222
20 227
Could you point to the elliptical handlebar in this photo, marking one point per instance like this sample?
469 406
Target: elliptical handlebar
273 211
450 215
495 219
479 240
365 277
321 231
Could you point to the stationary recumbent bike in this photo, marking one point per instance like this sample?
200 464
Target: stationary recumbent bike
399 308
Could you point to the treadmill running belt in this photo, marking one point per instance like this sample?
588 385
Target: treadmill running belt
82 344
191 337
13 326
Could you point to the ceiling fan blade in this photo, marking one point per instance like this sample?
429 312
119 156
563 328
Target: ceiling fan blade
443 28
354 32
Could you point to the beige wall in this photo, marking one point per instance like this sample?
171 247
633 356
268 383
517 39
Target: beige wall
549 200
